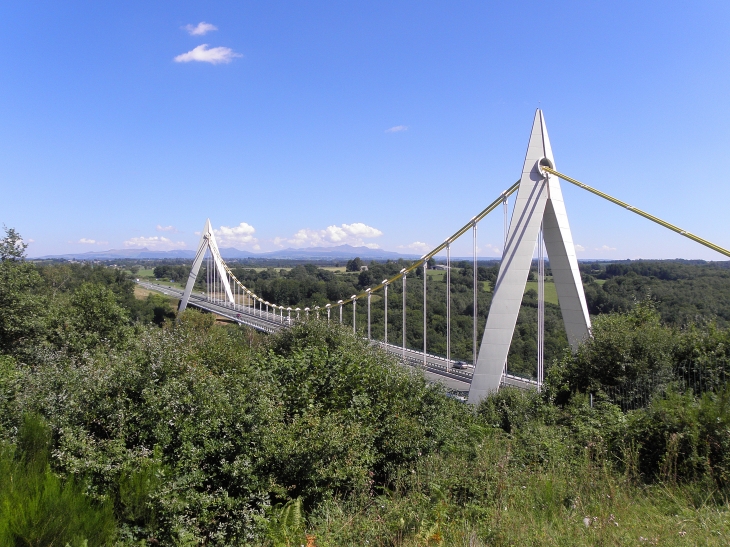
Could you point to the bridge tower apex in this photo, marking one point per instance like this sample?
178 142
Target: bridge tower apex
539 204
207 244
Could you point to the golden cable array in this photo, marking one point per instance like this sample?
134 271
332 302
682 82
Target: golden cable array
639 212
491 207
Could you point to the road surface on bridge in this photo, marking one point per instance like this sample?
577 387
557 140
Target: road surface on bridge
435 367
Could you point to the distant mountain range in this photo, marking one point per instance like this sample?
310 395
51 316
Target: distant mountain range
309 253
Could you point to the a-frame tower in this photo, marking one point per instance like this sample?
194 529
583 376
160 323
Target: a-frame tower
539 201
207 242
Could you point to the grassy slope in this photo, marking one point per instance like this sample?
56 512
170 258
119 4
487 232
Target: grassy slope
554 507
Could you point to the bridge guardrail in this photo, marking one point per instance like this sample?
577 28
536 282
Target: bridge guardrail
269 323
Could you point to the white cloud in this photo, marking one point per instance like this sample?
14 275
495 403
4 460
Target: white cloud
170 229
201 29
579 248
87 241
605 248
203 54
489 247
157 243
241 235
353 234
418 246
397 129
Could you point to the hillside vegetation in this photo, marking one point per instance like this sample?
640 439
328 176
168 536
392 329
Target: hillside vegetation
684 292
116 430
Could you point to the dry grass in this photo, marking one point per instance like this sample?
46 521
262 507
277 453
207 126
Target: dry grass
140 293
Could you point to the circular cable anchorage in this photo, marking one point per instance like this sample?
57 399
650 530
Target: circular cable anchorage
544 162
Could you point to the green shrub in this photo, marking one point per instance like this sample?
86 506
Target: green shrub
189 434
510 408
681 437
624 348
192 431
37 508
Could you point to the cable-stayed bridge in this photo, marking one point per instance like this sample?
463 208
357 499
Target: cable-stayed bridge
539 222
436 367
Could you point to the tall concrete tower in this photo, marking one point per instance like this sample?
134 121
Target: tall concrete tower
539 201
207 242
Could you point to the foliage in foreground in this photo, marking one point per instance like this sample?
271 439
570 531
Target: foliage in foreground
39 508
195 434
114 432
192 434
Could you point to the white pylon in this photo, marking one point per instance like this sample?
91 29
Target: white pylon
207 242
539 200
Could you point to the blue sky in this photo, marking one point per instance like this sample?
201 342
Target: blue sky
380 123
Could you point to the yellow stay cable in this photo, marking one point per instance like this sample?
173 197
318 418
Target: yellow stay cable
638 211
491 207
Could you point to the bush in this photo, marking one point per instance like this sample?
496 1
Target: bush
681 437
624 348
510 408
37 507
194 433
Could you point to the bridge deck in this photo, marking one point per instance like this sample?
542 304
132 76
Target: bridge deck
435 368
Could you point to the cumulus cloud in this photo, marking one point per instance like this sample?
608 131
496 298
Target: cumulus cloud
170 229
418 246
397 129
351 234
204 54
201 29
232 236
579 248
157 243
605 248
87 241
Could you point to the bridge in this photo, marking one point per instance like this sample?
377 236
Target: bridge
538 224
436 367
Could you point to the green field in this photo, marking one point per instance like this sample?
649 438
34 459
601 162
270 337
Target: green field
147 272
551 295
436 275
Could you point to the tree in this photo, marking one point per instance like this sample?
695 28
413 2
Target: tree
93 316
12 246
354 265
23 307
